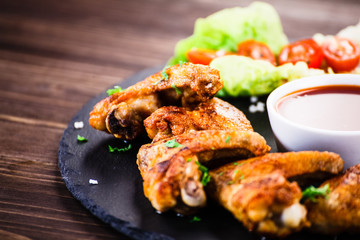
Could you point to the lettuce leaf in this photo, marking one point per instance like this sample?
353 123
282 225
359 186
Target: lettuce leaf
244 76
226 28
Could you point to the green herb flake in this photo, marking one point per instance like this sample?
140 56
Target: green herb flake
230 182
115 149
221 173
206 176
164 74
181 63
228 139
236 173
173 144
202 167
114 90
81 138
238 164
157 82
178 91
188 160
195 219
312 192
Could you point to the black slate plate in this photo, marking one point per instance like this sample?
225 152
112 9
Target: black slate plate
118 197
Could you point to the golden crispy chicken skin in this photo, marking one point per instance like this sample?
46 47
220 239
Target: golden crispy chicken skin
257 191
214 114
197 83
172 170
339 211
208 145
125 120
168 121
175 184
296 164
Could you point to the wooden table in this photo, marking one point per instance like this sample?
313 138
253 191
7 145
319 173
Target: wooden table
57 55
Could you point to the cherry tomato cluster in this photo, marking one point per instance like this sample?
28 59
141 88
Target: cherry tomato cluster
340 54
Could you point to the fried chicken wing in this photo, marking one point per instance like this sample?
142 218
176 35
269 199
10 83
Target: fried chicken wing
257 191
197 83
214 114
168 121
208 145
297 165
172 168
339 211
175 184
125 120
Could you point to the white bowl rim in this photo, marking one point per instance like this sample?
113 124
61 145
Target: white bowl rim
320 80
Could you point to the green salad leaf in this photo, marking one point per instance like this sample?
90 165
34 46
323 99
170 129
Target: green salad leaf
244 76
228 27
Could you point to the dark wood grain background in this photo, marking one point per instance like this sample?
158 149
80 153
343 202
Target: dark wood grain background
57 55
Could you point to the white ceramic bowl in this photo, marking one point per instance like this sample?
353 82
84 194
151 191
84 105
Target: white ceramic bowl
291 136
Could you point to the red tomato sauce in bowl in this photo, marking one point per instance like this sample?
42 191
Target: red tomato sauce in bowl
331 107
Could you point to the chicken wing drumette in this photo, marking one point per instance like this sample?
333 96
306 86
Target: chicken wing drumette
257 191
214 114
122 113
172 169
339 211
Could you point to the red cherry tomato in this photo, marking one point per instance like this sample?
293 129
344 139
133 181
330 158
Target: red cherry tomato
341 54
256 50
204 56
304 50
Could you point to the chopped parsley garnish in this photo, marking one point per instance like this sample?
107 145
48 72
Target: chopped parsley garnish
181 63
164 74
178 91
202 167
157 82
81 138
238 164
195 219
115 149
230 182
173 144
221 173
236 172
188 160
312 192
114 90
206 176
228 139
